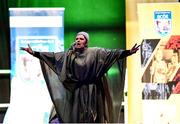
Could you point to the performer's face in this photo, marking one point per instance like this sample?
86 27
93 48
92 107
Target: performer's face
80 42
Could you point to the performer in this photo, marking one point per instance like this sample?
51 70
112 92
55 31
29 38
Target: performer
76 80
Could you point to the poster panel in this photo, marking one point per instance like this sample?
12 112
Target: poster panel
43 30
158 66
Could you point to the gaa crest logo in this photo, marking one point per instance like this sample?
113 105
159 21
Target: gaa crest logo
162 20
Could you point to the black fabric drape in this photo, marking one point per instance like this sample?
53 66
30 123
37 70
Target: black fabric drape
4 35
4 52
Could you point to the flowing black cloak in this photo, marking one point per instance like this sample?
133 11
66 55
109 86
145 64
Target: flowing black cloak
78 86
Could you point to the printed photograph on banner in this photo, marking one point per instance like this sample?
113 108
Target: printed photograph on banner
147 48
163 22
173 42
158 67
176 83
163 66
155 91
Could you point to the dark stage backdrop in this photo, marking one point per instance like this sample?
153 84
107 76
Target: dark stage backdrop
4 52
4 57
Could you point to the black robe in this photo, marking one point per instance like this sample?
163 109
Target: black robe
77 83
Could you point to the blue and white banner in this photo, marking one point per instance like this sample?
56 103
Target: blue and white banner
163 20
43 30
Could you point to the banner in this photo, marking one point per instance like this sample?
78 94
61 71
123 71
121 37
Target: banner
43 30
158 78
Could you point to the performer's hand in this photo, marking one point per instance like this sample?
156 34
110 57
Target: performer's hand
28 49
134 49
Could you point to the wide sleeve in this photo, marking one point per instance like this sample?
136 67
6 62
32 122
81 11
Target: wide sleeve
51 65
53 60
107 57
113 88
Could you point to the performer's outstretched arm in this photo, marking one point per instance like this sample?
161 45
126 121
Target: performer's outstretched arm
27 49
48 57
133 50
